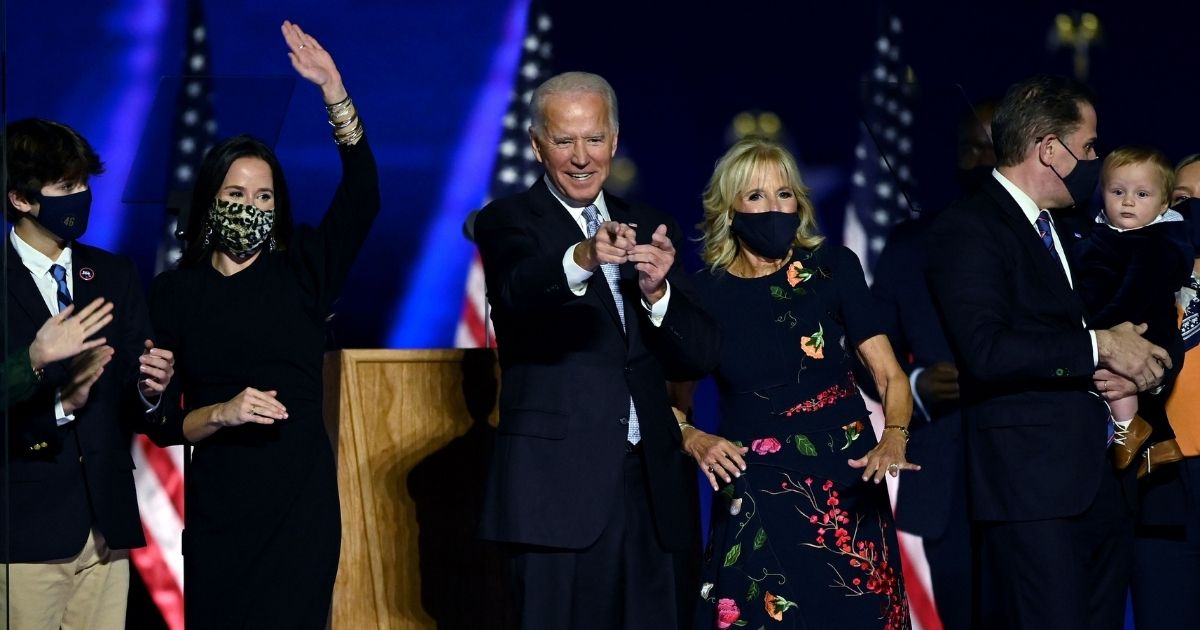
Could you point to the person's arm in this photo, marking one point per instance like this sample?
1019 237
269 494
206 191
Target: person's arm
715 455
20 377
249 406
356 202
686 340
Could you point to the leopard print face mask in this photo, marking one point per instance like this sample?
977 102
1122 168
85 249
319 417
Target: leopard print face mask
241 229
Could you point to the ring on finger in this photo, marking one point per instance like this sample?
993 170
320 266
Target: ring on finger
253 410
893 468
711 469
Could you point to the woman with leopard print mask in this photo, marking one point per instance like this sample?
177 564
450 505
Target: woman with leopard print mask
245 313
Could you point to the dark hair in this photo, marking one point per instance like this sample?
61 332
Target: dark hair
41 152
1035 108
208 183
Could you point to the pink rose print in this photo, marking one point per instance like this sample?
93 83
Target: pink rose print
765 446
727 613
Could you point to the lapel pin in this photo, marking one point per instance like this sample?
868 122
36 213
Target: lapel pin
87 274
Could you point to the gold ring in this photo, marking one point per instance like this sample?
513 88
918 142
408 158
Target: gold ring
893 467
253 410
710 469
302 46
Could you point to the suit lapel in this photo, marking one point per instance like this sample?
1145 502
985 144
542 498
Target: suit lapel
1049 271
84 285
23 291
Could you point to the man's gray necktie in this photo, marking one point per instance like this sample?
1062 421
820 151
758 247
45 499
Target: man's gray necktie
612 273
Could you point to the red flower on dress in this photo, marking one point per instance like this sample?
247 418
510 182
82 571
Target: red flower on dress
765 446
728 613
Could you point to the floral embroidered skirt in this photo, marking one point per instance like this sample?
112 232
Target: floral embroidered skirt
789 549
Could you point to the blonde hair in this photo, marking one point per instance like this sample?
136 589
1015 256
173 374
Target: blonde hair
1126 156
730 178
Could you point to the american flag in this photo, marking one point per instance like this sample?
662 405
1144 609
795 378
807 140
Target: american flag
159 472
882 182
879 198
516 168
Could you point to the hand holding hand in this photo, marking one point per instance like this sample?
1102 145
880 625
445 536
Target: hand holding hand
1113 386
1122 350
250 406
886 457
158 365
64 336
654 261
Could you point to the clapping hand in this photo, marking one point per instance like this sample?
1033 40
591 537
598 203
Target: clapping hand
64 336
159 366
85 371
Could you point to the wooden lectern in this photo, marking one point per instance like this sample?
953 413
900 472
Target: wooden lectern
413 431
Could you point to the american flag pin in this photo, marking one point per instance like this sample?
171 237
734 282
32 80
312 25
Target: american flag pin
87 274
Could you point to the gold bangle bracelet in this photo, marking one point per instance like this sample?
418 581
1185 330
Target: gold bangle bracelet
899 427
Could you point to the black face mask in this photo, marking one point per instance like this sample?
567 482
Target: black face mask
67 216
768 234
1081 181
1190 209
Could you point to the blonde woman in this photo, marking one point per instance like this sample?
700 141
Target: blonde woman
802 532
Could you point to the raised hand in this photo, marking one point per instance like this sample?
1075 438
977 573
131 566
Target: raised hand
64 336
313 62
653 262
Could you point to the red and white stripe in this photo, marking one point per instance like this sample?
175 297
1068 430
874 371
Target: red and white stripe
158 474
474 325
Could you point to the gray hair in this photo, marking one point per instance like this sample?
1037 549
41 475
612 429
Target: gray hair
572 83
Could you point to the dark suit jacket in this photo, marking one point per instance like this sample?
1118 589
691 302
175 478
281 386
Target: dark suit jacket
924 499
55 472
1035 435
567 373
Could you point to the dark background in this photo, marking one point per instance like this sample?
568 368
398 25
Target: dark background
418 72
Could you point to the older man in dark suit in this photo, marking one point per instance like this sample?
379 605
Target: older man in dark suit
588 485
1053 517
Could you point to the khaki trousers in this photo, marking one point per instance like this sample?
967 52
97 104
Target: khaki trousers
88 591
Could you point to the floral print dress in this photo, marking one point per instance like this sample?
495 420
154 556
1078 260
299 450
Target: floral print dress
799 540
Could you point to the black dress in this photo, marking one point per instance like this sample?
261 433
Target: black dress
799 540
262 523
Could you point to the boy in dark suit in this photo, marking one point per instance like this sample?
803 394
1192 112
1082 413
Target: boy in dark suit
72 508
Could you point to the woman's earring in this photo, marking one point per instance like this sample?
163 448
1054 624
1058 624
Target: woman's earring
207 236
271 244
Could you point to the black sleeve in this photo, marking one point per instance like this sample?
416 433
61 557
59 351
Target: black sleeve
858 307
166 424
521 273
687 343
327 253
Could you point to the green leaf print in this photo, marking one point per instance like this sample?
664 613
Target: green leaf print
779 294
760 539
727 492
733 554
752 592
805 445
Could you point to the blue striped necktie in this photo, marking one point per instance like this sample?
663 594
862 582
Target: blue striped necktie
1047 233
612 273
64 292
